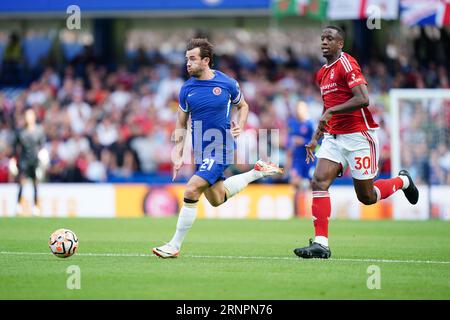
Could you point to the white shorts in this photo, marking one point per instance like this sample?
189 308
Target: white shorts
359 150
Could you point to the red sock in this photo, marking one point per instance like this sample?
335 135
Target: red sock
321 210
386 188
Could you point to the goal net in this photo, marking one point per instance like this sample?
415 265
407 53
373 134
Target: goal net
420 143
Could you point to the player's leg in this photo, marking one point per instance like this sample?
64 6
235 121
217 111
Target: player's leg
35 211
306 175
207 175
194 189
294 178
330 164
295 182
365 191
364 167
221 191
300 178
235 184
216 194
370 192
324 175
20 181
35 191
408 187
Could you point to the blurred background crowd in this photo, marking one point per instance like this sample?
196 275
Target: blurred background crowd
112 122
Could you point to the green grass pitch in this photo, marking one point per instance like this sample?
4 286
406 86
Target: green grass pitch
225 259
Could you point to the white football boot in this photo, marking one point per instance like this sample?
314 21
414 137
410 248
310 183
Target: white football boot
166 251
267 168
19 210
36 211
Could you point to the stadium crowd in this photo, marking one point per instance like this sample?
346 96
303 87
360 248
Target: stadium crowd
106 123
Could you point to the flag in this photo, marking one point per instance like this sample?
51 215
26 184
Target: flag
443 13
362 9
315 9
425 12
284 8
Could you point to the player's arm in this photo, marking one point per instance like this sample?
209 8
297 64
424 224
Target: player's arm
311 146
16 147
243 110
359 100
43 155
179 137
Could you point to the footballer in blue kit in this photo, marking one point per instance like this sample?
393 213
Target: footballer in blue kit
300 130
208 97
210 102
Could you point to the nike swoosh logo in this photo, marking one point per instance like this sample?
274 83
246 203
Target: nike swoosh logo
191 94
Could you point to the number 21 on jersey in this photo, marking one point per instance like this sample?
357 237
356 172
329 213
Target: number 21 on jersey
207 164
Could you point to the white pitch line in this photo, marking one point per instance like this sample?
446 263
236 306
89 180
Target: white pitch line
231 257
83 254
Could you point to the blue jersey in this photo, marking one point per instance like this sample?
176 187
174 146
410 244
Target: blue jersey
305 130
302 129
209 102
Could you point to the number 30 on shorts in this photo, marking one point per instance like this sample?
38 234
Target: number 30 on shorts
207 164
362 163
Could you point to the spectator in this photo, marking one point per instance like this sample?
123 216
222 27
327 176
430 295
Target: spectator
13 60
131 113
96 169
79 113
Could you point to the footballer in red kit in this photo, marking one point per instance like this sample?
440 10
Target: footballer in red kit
336 82
349 140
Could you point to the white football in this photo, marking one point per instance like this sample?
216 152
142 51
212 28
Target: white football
63 243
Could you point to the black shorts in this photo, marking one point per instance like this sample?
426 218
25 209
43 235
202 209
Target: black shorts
28 169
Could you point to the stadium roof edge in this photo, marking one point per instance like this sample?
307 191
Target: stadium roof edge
142 14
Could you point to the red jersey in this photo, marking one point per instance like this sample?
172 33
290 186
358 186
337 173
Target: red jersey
335 82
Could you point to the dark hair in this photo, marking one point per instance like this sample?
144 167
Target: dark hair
206 48
340 32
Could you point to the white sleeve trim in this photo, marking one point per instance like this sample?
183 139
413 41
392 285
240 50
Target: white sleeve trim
238 98
184 110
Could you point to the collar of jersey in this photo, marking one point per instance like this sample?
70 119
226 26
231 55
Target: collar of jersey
327 66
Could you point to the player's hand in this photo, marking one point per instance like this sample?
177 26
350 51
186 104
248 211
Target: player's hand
310 148
235 129
326 116
12 166
176 167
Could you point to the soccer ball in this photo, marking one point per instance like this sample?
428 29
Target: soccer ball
63 243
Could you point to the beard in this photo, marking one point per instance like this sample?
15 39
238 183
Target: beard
195 72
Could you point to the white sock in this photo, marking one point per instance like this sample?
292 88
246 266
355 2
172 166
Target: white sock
321 240
185 221
237 183
405 182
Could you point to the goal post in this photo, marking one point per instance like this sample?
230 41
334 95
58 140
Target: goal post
420 128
